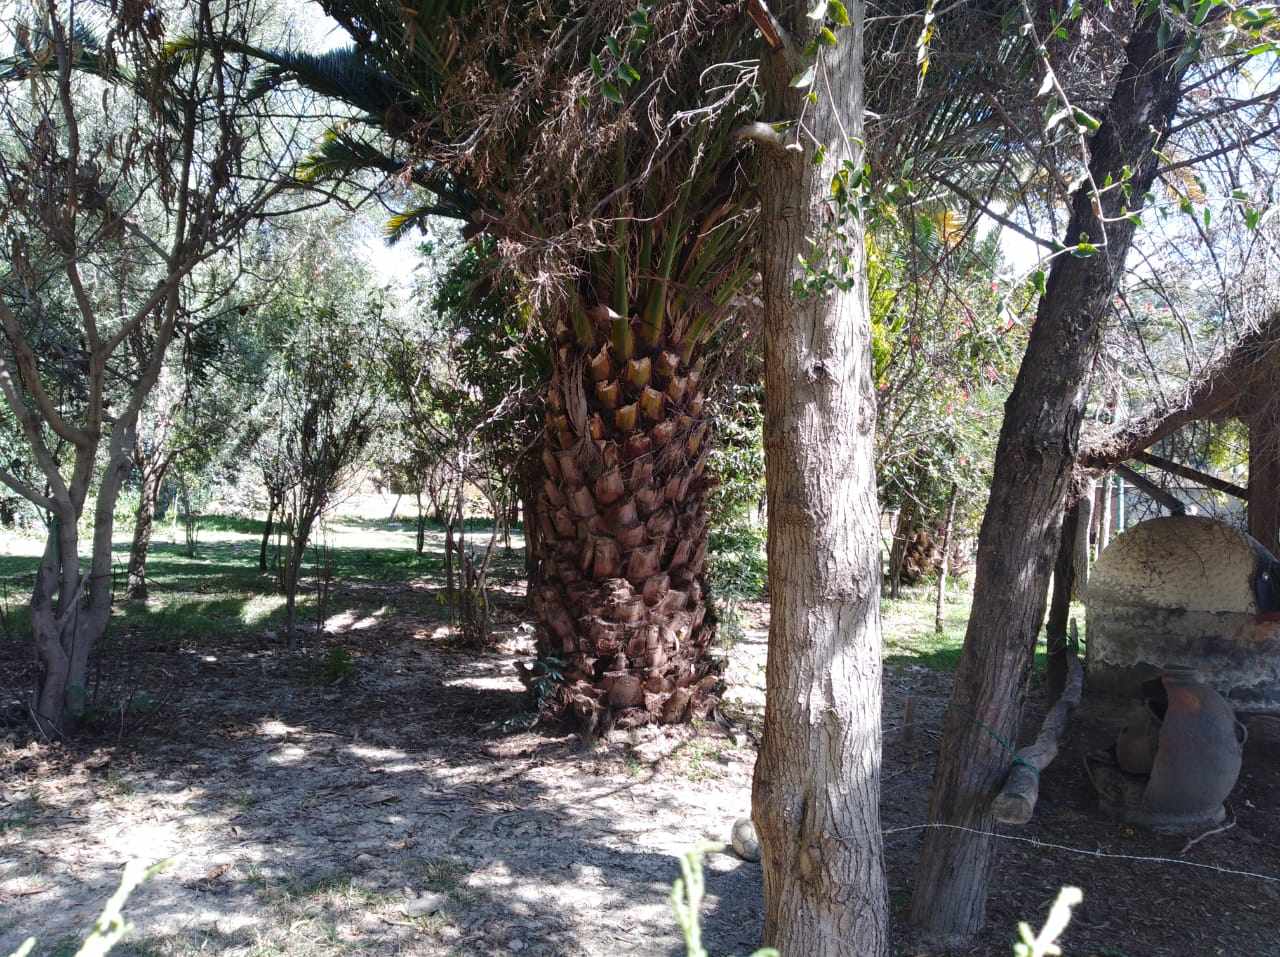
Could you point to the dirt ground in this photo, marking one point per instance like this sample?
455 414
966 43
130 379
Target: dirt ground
410 809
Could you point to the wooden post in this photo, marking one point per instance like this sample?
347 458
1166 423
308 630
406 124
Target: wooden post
1081 546
1162 497
1104 514
1017 799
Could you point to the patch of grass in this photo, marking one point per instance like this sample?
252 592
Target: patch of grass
443 875
704 758
233 523
67 945
20 815
910 638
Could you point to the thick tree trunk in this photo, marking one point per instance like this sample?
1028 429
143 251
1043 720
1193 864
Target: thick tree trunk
1034 458
1264 475
941 597
815 797
623 530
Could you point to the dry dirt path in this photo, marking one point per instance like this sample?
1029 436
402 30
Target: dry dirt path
408 812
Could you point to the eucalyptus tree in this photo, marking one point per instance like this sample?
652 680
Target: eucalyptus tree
123 167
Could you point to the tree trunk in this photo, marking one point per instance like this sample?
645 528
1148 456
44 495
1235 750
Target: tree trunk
420 543
623 528
815 796
1082 554
69 609
946 559
1064 574
272 505
1037 449
898 554
152 478
1264 475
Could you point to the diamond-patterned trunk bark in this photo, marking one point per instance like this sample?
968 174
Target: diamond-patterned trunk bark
622 604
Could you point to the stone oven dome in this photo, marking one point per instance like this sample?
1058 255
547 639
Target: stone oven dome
1185 591
1184 561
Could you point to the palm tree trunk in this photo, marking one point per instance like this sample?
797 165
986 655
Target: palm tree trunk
623 526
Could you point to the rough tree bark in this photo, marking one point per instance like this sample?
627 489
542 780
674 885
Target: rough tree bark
153 474
815 798
1264 473
1034 458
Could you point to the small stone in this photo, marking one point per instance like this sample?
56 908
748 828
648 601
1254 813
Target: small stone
364 860
422 905
745 842
515 945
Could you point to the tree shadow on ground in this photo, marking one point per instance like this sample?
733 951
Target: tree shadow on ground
298 811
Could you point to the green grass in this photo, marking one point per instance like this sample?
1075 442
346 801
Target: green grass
220 592
910 638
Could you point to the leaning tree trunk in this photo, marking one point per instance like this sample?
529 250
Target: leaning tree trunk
816 791
1034 458
623 525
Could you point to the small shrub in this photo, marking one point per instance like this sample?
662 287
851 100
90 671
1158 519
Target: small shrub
338 666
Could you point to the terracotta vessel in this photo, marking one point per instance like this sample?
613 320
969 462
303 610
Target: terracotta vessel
1198 759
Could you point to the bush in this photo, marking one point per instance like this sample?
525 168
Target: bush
737 564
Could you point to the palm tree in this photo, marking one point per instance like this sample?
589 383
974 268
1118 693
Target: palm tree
616 198
600 147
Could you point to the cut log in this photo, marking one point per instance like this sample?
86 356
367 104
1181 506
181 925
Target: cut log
1017 799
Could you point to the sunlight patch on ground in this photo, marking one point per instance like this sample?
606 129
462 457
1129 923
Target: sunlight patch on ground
488 683
371 753
273 728
259 608
351 620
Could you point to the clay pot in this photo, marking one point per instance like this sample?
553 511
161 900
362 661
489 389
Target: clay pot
1137 744
1198 760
